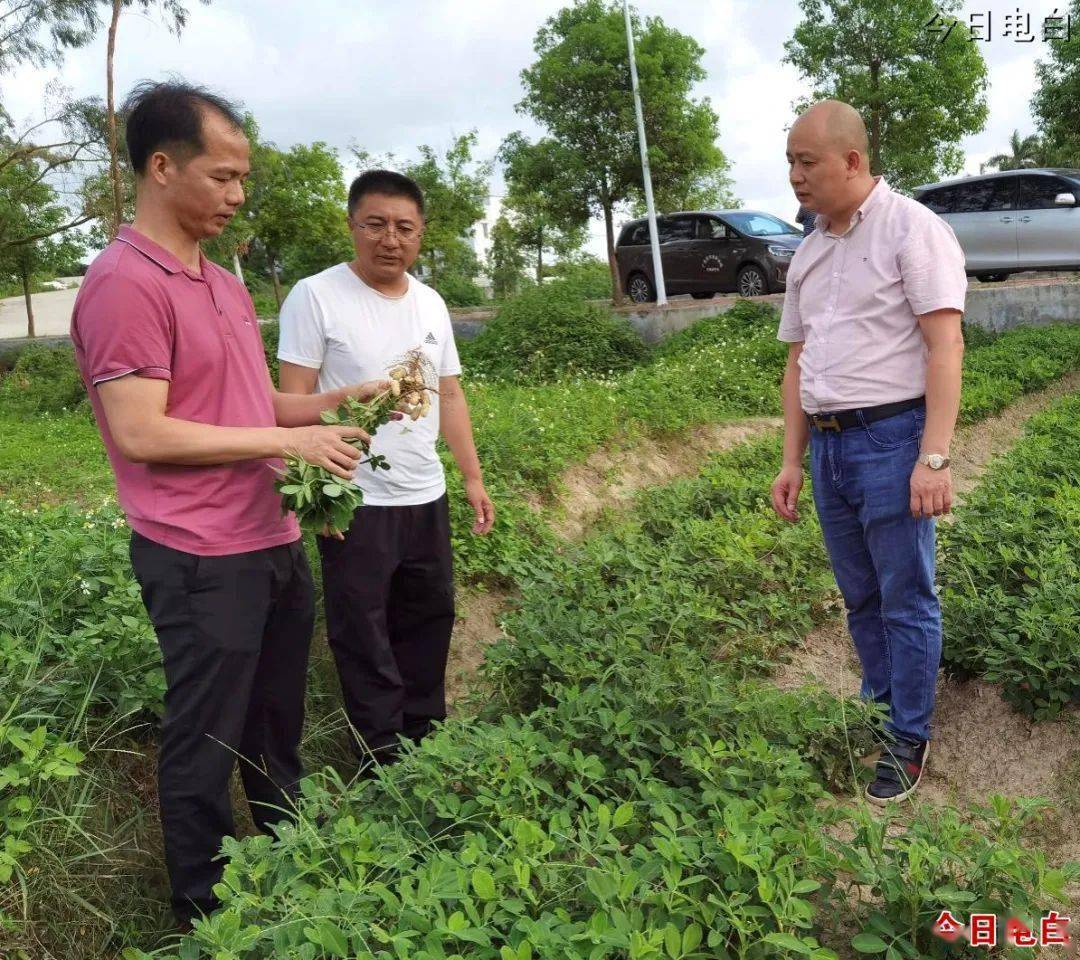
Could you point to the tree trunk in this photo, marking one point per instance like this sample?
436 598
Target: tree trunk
114 156
613 265
236 266
25 276
277 282
875 117
540 261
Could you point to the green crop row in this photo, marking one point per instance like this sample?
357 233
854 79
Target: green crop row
632 787
1010 581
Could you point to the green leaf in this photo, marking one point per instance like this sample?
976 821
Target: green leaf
787 941
869 943
484 884
691 938
623 815
672 942
806 886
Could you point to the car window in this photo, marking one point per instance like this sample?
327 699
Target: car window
761 225
678 228
940 200
978 196
711 229
1038 193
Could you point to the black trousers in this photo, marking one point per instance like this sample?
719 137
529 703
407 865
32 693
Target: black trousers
389 589
234 633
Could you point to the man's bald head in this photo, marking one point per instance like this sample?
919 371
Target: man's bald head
828 156
833 125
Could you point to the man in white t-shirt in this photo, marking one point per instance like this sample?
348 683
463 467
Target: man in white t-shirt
388 581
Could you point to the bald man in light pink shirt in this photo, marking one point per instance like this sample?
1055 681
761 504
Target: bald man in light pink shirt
872 313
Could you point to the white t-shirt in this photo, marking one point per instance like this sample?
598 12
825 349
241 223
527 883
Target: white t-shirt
335 323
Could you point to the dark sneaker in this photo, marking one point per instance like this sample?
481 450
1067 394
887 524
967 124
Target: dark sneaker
898 772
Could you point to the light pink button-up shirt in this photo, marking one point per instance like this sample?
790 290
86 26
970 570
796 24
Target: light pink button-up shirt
853 300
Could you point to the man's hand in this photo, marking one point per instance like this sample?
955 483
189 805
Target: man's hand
482 506
326 447
785 492
931 492
365 391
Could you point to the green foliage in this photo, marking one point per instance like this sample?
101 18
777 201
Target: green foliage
294 216
548 332
43 380
588 277
1003 368
33 222
77 657
506 260
579 91
942 861
919 95
1056 103
457 289
628 788
38 31
271 335
1011 576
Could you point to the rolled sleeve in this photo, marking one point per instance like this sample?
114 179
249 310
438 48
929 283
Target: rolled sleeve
791 327
932 267
302 334
124 326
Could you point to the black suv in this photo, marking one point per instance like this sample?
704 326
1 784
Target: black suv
707 252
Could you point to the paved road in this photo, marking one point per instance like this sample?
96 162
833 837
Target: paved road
52 314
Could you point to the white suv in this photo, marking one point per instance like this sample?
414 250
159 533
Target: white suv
1011 221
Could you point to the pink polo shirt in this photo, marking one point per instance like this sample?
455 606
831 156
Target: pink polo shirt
853 300
140 311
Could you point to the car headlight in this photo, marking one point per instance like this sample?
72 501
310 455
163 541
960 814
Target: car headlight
781 253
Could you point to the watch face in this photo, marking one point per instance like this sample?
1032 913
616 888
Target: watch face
936 461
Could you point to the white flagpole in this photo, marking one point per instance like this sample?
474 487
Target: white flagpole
650 207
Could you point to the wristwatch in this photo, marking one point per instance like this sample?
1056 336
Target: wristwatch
935 461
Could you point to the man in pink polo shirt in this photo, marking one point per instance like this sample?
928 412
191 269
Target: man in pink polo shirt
872 312
170 351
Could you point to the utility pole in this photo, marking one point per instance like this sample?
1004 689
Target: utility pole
650 207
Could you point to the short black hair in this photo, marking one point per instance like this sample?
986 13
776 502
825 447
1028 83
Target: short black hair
170 114
387 183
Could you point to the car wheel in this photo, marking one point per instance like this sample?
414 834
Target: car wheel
703 295
639 289
752 282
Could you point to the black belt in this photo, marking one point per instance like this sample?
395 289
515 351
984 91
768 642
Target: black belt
846 419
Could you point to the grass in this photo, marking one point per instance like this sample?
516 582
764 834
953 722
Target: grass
673 616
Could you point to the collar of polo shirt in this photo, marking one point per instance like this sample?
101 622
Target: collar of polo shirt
872 199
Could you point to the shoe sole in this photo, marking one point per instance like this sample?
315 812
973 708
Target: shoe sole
885 801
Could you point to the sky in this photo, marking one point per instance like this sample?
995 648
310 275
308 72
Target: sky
390 76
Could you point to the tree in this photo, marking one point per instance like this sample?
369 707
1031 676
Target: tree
295 209
30 208
1026 152
920 92
38 31
506 261
176 14
1056 103
76 141
539 222
579 91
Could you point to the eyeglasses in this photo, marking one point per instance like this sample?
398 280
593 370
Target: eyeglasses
406 234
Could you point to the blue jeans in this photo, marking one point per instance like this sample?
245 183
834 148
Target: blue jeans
883 560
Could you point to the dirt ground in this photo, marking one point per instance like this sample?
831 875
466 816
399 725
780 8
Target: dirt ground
981 746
